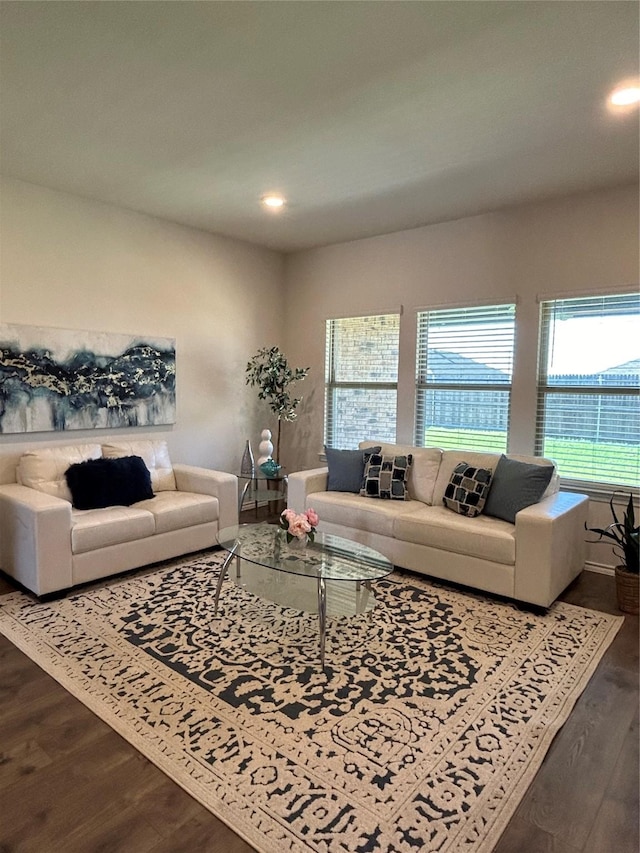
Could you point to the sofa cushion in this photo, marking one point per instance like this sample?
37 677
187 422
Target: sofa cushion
99 528
386 476
467 490
354 511
423 471
346 469
155 455
176 510
108 482
437 527
44 468
516 485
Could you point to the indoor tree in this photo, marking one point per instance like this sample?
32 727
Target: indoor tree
269 370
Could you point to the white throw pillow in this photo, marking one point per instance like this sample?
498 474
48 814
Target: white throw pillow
155 455
44 468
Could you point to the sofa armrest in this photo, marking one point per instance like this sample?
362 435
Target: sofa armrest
218 484
35 539
550 547
303 483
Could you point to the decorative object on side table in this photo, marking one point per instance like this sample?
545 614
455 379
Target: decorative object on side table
248 465
299 526
265 448
270 468
625 536
270 371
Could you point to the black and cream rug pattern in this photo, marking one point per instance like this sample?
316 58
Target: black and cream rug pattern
430 720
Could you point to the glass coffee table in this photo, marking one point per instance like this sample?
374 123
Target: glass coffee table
329 558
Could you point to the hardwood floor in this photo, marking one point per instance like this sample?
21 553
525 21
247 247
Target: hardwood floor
69 783
585 795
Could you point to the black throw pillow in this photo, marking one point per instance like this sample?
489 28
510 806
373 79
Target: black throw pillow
97 483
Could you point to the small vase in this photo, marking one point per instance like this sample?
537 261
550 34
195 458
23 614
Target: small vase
247 466
297 544
270 468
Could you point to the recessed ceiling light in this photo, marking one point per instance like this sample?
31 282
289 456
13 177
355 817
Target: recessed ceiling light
273 201
625 95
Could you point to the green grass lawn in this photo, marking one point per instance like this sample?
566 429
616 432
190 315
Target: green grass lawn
576 460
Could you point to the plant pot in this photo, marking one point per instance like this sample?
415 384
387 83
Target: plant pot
627 590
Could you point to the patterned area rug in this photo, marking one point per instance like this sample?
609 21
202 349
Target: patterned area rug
431 719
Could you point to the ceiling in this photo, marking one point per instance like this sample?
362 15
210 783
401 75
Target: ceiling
370 117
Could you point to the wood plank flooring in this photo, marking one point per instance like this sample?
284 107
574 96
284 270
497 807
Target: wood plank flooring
69 783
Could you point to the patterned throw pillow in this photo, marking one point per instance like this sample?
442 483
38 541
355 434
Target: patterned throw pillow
386 476
467 489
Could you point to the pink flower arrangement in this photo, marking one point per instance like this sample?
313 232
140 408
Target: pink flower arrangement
299 525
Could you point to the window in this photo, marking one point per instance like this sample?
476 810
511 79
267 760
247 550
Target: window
361 380
588 413
463 386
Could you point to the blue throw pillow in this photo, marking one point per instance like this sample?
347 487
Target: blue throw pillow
346 468
516 485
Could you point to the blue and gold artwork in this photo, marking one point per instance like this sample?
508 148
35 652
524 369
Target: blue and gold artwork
58 379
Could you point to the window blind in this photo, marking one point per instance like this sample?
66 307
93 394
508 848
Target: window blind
464 369
588 414
361 379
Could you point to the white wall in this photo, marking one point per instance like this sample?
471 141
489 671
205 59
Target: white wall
71 263
574 245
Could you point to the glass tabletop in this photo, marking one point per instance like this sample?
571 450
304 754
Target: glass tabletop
260 475
329 557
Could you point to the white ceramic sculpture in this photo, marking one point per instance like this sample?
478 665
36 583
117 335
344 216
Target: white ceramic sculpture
265 448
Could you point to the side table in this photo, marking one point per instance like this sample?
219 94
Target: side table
258 488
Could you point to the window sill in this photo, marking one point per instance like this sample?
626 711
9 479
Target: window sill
599 492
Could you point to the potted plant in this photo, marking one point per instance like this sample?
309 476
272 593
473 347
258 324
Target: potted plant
270 371
624 534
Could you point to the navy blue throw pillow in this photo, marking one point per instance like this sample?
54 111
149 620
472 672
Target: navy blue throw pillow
97 483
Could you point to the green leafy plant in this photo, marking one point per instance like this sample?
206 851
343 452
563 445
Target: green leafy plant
624 535
269 370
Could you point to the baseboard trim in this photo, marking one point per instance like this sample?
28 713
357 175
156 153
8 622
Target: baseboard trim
599 569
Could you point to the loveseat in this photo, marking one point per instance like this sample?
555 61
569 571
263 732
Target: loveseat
530 558
49 545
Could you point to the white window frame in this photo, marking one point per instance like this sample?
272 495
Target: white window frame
498 344
332 384
609 304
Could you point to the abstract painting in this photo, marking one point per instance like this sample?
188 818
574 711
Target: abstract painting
59 379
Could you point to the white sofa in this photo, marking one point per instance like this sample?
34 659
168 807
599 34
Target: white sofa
531 561
47 545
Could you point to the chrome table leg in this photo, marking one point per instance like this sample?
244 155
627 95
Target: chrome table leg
222 575
322 616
